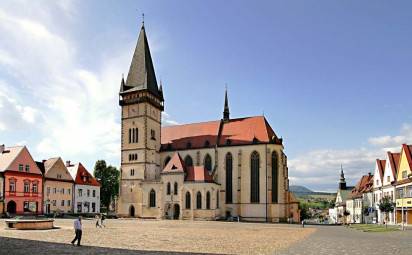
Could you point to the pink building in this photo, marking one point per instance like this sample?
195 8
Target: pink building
23 181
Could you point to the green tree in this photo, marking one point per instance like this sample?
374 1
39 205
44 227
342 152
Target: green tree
108 177
386 206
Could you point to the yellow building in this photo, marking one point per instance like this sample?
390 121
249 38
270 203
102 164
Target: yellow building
404 186
58 187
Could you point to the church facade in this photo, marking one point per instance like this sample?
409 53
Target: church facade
209 170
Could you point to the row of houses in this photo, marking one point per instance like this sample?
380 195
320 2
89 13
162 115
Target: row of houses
392 179
44 187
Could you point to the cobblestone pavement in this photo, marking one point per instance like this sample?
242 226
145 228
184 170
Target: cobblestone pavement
340 240
154 237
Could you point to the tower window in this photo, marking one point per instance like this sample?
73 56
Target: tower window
152 198
152 134
168 189
133 135
175 189
131 172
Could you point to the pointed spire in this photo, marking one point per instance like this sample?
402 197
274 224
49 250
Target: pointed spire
342 182
141 74
122 84
226 113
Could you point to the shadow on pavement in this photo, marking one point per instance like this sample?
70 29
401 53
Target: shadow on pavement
22 246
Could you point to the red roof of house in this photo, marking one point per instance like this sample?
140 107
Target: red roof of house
394 161
198 174
239 131
408 151
81 176
364 185
175 164
381 166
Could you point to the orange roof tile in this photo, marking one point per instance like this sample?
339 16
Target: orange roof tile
394 161
365 184
198 174
381 166
82 176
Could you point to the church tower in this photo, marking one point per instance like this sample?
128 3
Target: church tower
142 104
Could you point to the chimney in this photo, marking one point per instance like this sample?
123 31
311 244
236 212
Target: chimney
68 163
2 148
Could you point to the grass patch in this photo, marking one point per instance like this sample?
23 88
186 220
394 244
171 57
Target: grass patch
373 228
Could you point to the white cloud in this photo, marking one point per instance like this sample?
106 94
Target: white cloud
167 120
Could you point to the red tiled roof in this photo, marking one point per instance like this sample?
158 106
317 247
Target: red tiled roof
394 161
197 134
175 164
78 173
408 151
239 131
198 174
364 185
381 166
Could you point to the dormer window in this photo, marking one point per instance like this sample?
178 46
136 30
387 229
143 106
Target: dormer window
255 140
189 145
228 142
207 143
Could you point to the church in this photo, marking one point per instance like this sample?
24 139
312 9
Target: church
230 167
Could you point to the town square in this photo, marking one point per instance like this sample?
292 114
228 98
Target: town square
159 127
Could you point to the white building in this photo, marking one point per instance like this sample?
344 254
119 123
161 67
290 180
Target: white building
377 187
389 177
86 190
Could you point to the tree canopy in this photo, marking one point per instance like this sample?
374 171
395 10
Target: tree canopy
108 177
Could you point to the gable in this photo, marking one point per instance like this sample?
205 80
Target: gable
404 162
58 168
24 158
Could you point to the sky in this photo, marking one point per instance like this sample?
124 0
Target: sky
332 77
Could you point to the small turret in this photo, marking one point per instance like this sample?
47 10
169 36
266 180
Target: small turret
226 113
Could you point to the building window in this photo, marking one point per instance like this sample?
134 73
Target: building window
34 188
27 168
198 200
166 161
131 172
168 188
26 206
93 207
133 135
217 199
136 135
80 191
254 177
152 198
48 190
54 190
229 177
88 193
62 204
79 207
130 135
175 189
20 167
188 161
59 176
404 174
208 200
68 191
63 191
94 193
12 186
188 200
68 202
26 187
275 174
54 202
152 134
208 162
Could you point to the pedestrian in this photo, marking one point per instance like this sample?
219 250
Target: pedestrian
97 221
78 230
102 220
303 223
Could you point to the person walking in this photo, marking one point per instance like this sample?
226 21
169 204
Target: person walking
97 221
102 220
78 230
303 223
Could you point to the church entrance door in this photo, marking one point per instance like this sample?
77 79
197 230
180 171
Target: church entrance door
131 211
176 212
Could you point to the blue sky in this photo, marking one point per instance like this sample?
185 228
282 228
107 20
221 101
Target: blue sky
332 77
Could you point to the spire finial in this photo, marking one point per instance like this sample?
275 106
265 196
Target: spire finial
226 113
142 18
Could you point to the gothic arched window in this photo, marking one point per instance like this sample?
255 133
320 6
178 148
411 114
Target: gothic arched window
229 178
152 198
275 173
175 189
188 161
199 200
166 161
254 177
208 200
168 188
208 162
187 200
130 135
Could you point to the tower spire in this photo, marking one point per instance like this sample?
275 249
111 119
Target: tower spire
226 113
342 181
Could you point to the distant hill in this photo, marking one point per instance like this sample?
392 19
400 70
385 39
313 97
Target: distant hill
303 191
